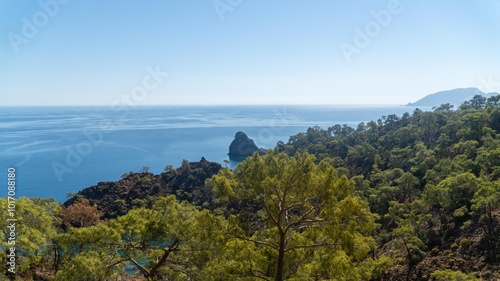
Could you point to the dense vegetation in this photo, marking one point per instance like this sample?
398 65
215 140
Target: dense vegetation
141 189
412 197
433 180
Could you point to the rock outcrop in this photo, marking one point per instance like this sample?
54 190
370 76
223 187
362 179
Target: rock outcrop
242 147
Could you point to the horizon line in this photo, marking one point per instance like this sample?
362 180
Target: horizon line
196 105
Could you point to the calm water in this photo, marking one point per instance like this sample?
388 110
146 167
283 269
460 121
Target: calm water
60 150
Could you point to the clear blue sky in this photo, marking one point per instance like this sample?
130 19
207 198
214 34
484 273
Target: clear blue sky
257 52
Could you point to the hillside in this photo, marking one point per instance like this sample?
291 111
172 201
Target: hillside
454 97
433 179
141 189
411 197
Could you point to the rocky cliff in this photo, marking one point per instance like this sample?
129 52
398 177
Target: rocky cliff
242 146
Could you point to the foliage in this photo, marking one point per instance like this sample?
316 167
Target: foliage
411 197
81 214
117 198
34 229
310 223
432 177
449 275
173 240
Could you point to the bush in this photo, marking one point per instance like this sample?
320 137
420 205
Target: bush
450 275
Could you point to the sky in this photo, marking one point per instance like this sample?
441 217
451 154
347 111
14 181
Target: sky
207 52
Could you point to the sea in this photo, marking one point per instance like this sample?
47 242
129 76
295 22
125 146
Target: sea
57 151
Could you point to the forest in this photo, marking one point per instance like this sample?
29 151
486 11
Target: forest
411 197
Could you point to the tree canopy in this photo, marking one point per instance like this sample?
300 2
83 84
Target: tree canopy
411 197
309 223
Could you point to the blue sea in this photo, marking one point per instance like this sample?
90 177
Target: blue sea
61 150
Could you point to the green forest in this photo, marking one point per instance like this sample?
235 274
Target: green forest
411 197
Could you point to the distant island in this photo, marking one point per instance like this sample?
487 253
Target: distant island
454 97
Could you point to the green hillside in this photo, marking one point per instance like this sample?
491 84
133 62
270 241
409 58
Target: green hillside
412 197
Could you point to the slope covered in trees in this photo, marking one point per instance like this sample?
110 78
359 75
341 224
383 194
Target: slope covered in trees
412 197
278 218
432 178
141 189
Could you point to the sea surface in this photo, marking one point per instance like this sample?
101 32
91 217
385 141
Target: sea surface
61 150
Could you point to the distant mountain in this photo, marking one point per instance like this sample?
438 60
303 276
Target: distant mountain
455 97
